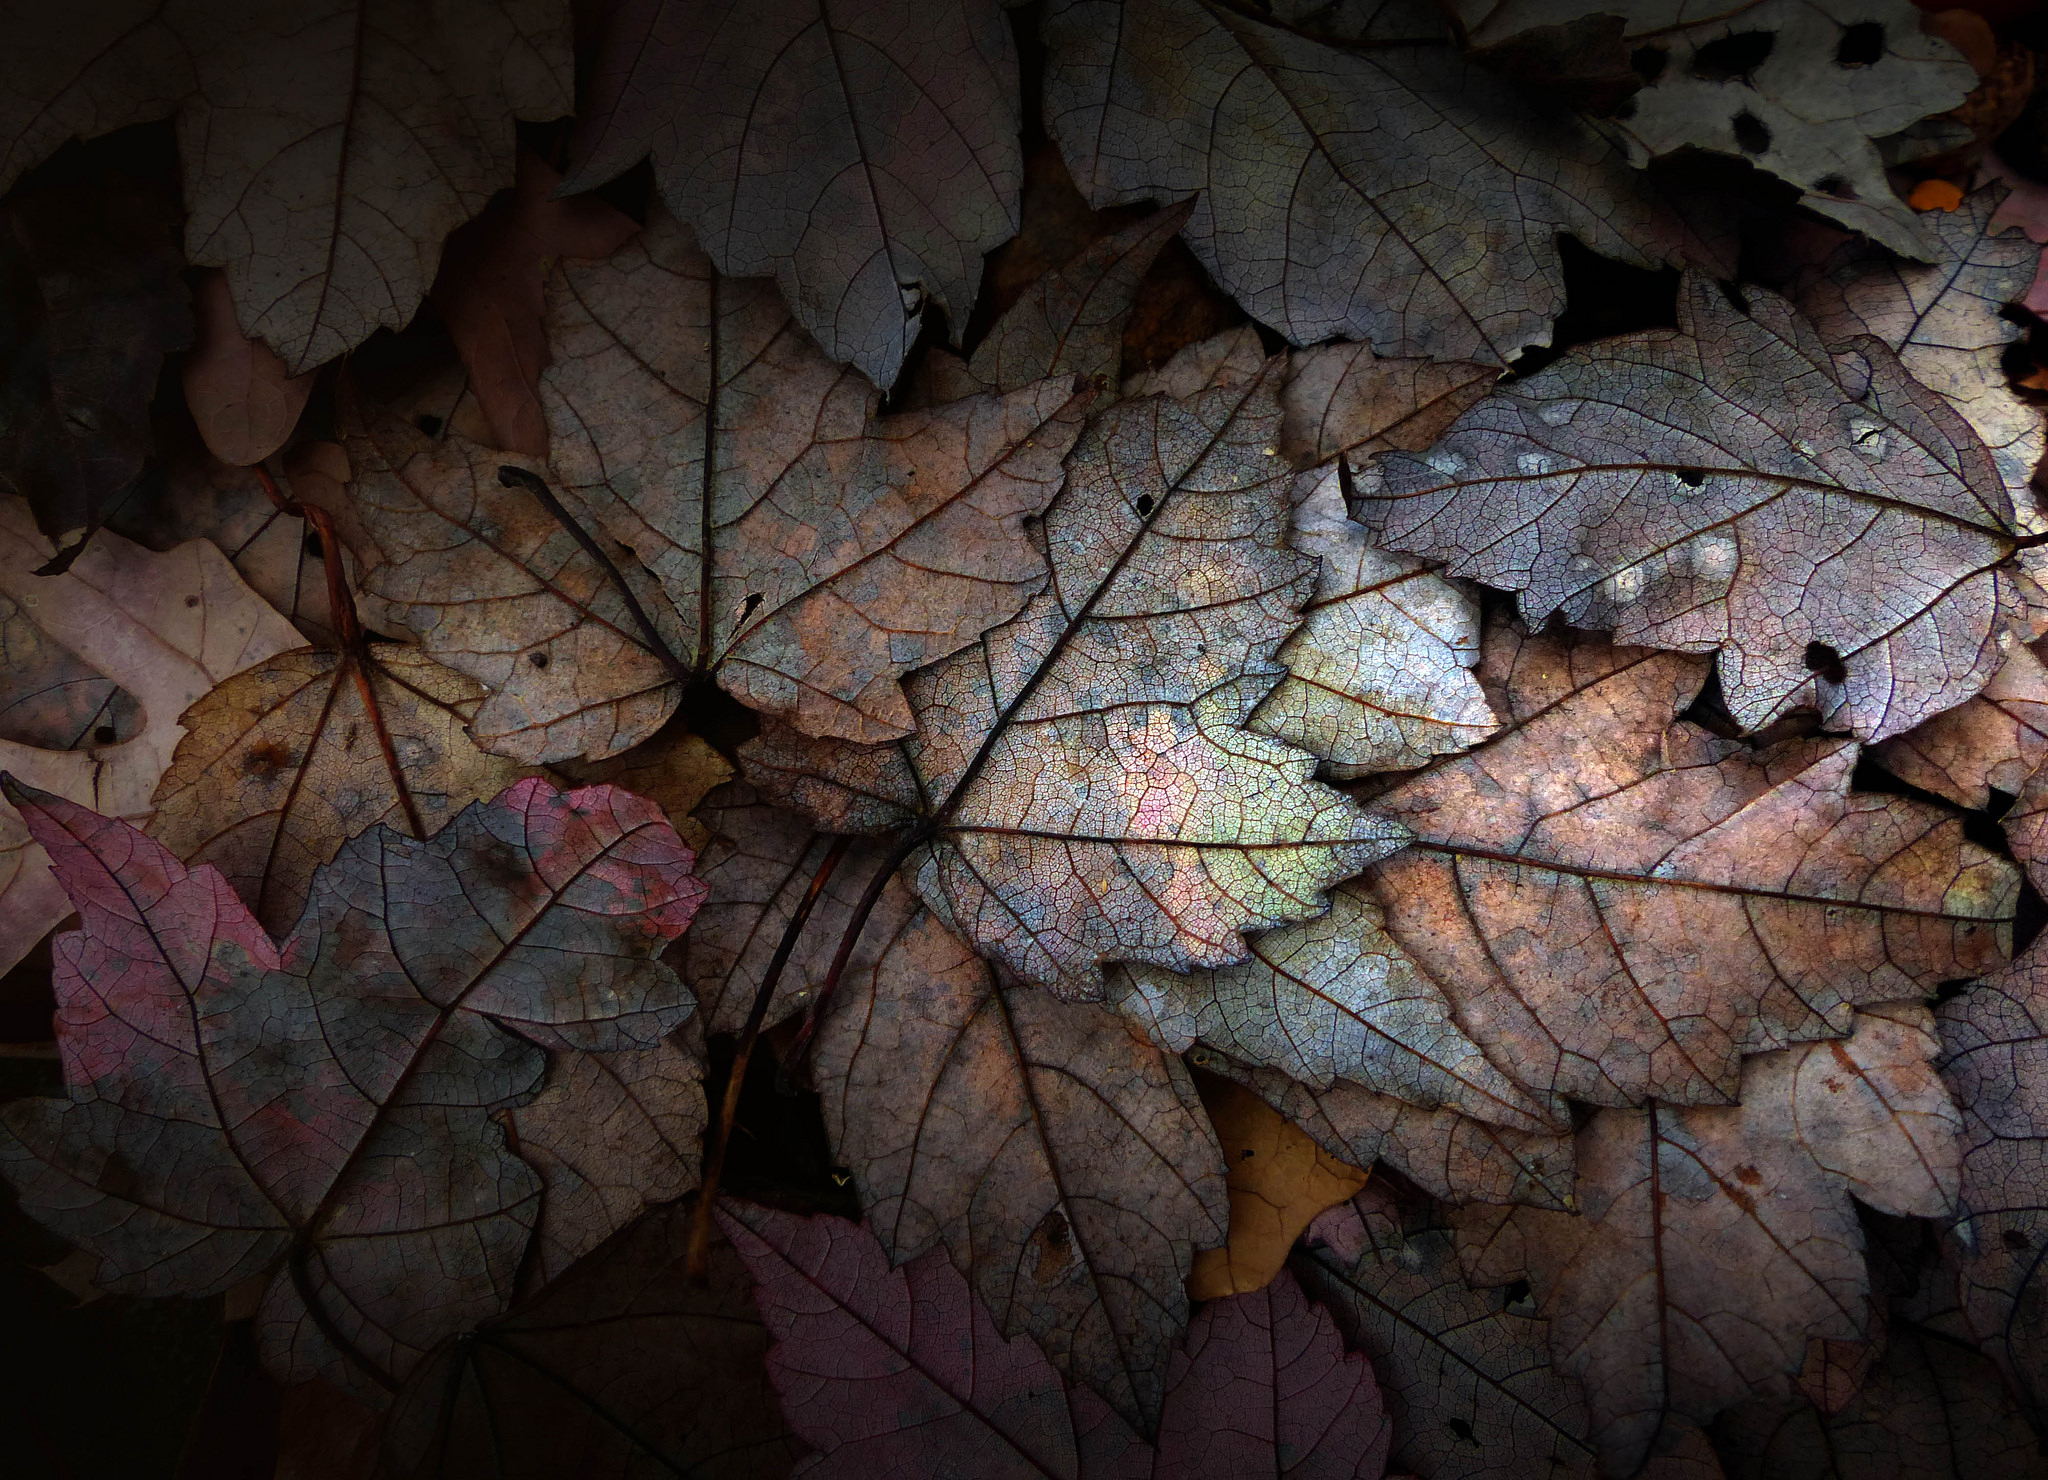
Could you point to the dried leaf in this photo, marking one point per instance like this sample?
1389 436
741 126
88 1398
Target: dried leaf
162 628
319 1112
1321 211
901 1372
1834 529
1065 1165
865 157
328 146
813 552
1280 1179
1087 790
1342 399
490 292
1716 1242
284 762
675 770
625 1367
1235 357
1606 894
245 404
1996 740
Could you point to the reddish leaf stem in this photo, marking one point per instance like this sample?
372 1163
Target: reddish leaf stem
848 940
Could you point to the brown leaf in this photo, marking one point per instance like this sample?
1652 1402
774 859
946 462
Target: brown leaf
244 402
162 628
1716 1242
1836 530
1344 400
1605 891
675 770
1995 740
1085 787
1233 357
284 762
490 293
1279 1181
1065 1165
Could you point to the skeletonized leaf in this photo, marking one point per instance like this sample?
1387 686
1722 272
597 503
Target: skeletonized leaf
865 156
164 629
813 552
285 762
245 404
1395 194
1714 1243
1090 790
328 146
1066 1166
1833 528
319 1112
1606 894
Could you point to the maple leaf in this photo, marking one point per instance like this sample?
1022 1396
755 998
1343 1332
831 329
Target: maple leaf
626 1362
320 1111
865 156
245 404
1080 788
328 146
1323 211
1465 1374
903 1372
1605 892
1834 529
162 629
1715 1242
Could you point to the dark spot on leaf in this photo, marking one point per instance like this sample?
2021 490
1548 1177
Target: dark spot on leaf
1824 660
1733 56
538 660
1748 1175
313 547
190 602
1751 134
1246 1154
1054 1242
266 758
1836 185
1649 62
1461 1429
1144 505
1692 477
1861 45
429 424
2014 1239
104 735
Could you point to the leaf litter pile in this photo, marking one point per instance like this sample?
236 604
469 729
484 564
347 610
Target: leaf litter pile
1187 738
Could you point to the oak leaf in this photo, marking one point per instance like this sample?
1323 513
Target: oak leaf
244 402
1080 788
319 1112
163 629
1606 894
903 1372
328 146
865 156
1714 1242
1833 528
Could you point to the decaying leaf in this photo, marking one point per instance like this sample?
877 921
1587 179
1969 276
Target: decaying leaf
319 1112
328 146
1606 894
813 552
286 761
1395 194
902 1372
240 396
1082 784
1065 1165
625 1367
1342 399
1715 1242
164 629
1833 528
675 770
1466 1375
1996 740
864 155
1280 1179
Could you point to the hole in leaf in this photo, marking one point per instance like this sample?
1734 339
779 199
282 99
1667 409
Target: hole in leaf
1824 660
1750 134
1649 62
1246 1154
748 607
2012 1238
1144 505
1948 990
1691 477
1861 45
428 423
538 660
1733 56
1515 1294
1836 185
104 735
1462 1429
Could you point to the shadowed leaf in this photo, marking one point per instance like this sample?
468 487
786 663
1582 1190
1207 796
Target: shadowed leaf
243 402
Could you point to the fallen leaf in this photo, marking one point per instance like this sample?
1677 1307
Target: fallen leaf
1280 1179
675 770
1065 1165
490 292
245 404
1320 210
813 552
318 1112
1235 357
902 1372
163 629
865 158
328 146
1715 1242
1834 529
1344 400
1605 891
626 1366
1994 741
1084 788
1935 195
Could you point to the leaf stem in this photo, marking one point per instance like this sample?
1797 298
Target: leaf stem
699 1252
848 939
